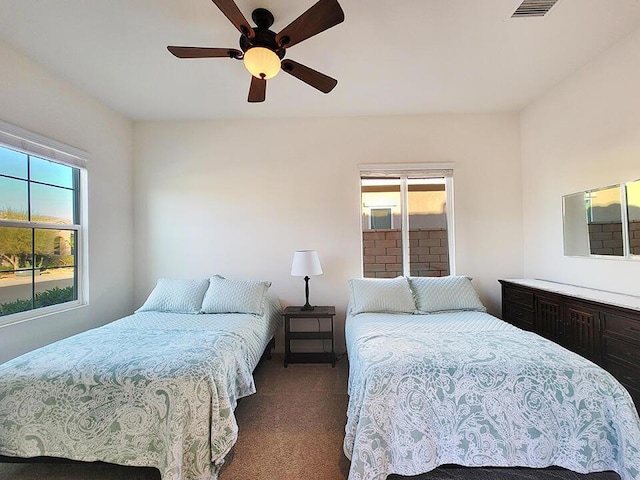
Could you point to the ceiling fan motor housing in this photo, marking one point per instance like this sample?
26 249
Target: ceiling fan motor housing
263 36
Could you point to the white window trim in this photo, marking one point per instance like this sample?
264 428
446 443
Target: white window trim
411 170
404 209
38 145
30 143
407 171
451 224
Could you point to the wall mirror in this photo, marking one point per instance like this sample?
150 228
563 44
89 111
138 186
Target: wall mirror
603 222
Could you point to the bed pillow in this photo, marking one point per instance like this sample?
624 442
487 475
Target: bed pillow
381 295
235 296
176 296
438 294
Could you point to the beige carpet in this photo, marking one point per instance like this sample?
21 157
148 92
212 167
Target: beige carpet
292 429
294 426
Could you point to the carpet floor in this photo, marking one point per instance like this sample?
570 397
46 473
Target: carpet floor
291 429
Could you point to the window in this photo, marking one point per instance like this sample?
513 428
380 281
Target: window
380 218
40 227
407 220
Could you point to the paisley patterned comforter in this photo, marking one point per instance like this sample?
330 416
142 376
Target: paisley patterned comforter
466 388
152 389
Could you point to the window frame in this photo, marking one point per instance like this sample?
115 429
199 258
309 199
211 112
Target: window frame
29 143
405 172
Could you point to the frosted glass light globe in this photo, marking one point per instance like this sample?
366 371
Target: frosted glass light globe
262 62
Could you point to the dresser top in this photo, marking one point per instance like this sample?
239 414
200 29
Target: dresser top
601 296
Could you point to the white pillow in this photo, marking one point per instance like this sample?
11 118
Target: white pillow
176 296
381 295
437 294
235 296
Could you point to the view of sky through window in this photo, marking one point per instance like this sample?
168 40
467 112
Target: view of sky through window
51 190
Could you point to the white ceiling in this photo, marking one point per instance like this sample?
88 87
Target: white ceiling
390 57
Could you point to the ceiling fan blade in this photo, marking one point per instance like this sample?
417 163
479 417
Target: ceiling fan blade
323 15
233 13
309 76
257 90
204 52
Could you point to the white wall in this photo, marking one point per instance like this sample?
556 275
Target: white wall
34 99
583 134
238 197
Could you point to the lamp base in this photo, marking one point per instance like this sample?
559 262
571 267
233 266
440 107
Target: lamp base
306 307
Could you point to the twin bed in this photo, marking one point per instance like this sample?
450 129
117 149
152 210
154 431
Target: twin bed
438 381
157 388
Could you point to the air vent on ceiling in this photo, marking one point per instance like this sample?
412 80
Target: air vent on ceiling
533 8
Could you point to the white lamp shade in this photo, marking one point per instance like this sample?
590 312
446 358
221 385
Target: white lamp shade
262 62
305 264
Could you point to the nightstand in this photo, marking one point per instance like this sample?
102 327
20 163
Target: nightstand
308 357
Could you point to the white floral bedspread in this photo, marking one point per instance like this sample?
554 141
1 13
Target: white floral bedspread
468 389
152 389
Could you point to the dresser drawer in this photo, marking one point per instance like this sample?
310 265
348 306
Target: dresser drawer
519 297
619 350
518 315
628 377
620 326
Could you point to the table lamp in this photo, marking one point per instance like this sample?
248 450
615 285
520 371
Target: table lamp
305 263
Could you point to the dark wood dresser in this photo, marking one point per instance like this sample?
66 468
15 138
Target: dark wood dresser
601 326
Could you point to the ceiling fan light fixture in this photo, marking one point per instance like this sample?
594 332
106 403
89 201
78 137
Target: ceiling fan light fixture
263 49
262 62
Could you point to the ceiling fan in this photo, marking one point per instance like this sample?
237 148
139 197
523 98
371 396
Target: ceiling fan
263 50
